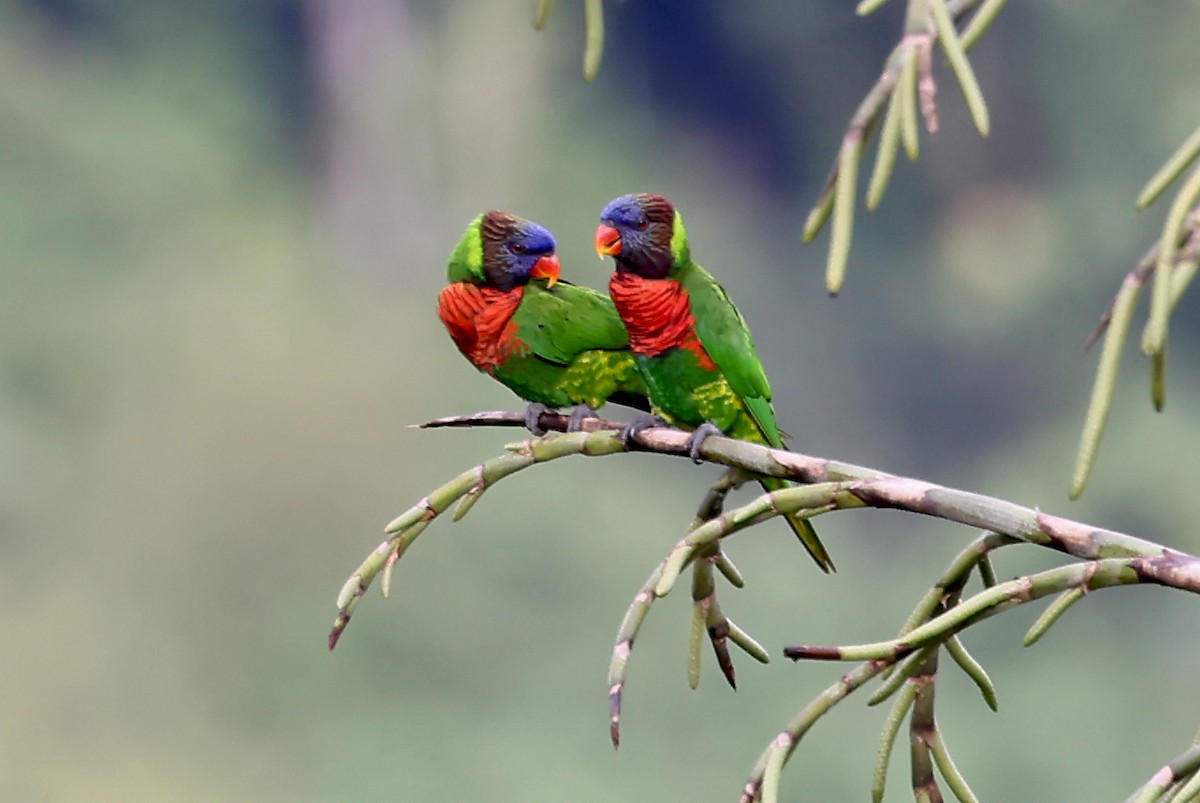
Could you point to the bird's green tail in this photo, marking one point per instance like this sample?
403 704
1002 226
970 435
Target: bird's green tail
803 528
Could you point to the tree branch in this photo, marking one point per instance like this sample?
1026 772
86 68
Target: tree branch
1107 558
846 485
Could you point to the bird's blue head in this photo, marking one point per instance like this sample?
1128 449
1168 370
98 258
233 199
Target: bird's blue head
638 231
513 250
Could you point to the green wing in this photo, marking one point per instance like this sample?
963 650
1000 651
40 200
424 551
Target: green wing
580 350
564 321
723 333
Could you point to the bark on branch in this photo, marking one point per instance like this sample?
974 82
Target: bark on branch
851 486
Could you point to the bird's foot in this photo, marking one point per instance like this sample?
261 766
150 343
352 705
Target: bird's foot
582 412
697 439
640 422
533 415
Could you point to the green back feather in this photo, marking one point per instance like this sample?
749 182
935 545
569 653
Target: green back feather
578 350
725 336
466 260
680 253
561 322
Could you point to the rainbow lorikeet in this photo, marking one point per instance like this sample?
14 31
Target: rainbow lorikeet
552 343
692 345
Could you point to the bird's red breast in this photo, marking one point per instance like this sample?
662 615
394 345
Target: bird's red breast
657 315
479 320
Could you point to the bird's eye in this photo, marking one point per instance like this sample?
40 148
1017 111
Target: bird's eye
642 223
516 248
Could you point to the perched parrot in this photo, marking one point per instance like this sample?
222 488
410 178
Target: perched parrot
552 343
692 345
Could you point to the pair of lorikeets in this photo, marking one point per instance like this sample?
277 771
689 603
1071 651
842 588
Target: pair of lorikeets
668 340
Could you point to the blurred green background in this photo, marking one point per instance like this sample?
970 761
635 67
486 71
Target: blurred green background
224 225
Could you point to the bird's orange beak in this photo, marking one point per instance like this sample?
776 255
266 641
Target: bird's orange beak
547 268
608 241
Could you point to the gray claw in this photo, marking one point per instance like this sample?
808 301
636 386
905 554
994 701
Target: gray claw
578 415
640 422
697 439
533 414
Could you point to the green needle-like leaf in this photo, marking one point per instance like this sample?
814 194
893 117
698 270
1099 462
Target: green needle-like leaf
1174 167
953 48
410 534
672 567
1106 381
707 618
887 739
906 98
885 155
954 778
593 12
904 672
1185 272
925 608
867 6
728 570
467 502
1154 339
385 581
695 638
982 20
1158 379
843 211
1181 277
542 14
987 574
973 669
749 645
820 211
349 593
1049 616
